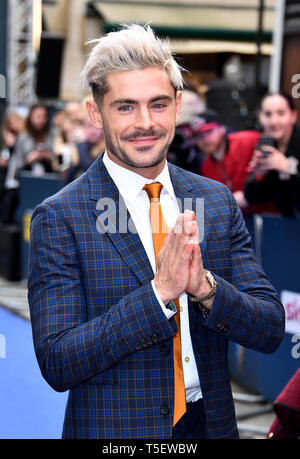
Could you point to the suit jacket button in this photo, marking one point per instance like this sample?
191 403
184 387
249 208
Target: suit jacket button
154 338
143 342
138 346
164 409
164 349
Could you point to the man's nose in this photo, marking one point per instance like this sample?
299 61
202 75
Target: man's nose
144 118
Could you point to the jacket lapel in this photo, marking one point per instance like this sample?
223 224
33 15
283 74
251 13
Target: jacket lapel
113 219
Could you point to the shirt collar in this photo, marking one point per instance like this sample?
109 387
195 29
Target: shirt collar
130 184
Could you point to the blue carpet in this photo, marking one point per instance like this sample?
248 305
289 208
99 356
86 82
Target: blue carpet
29 407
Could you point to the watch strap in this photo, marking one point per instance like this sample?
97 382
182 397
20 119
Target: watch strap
209 294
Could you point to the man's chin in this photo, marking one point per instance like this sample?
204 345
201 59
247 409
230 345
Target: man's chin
146 164
144 157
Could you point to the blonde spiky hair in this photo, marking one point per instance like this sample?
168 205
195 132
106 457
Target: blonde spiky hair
133 47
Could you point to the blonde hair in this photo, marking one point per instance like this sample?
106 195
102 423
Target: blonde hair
131 48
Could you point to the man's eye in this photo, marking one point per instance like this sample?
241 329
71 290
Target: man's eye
125 108
159 106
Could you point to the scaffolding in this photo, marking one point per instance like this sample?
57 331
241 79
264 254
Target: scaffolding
21 57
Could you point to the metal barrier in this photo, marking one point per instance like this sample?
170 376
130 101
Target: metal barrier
276 242
33 190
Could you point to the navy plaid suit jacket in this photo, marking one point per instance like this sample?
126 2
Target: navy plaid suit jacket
99 331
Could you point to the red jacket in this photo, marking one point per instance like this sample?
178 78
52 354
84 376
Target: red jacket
232 170
286 425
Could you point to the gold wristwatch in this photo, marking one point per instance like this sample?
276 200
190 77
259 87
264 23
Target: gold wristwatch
211 293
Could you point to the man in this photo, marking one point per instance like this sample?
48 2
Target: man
105 314
227 155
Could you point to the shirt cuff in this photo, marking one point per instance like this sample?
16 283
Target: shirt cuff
167 311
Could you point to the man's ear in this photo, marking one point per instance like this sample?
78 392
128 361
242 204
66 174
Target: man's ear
94 114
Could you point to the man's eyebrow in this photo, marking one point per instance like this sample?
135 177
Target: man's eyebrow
135 102
162 97
123 101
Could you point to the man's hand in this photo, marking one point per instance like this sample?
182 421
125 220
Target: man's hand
173 262
198 284
180 268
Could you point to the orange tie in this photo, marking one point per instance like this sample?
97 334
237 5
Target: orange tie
159 231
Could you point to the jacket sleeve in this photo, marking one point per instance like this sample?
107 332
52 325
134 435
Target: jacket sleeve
246 307
69 348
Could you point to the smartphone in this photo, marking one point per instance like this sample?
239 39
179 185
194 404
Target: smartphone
265 139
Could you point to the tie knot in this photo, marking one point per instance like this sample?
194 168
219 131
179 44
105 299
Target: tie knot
153 190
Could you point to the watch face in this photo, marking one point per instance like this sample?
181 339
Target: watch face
210 278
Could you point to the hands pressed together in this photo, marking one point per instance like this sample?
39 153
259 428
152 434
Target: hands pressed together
179 265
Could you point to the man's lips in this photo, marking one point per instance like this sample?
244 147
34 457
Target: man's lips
143 140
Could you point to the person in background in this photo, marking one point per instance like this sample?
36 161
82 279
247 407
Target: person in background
183 151
65 141
12 126
76 142
275 176
227 155
34 148
33 151
76 112
88 147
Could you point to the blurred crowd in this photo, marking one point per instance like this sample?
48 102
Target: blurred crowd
65 144
261 168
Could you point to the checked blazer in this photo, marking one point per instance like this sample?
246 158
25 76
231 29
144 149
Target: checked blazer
99 330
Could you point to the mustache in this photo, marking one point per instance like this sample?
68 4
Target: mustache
143 133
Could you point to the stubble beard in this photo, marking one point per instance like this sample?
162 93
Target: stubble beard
141 162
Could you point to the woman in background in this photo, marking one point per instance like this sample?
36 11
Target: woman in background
12 126
33 151
275 176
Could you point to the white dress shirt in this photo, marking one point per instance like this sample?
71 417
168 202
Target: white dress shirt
130 186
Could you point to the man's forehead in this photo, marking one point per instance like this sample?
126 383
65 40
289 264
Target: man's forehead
149 81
